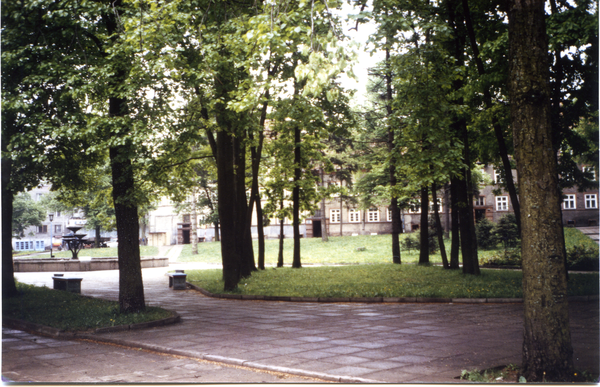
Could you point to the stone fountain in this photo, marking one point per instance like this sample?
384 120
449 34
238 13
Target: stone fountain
74 241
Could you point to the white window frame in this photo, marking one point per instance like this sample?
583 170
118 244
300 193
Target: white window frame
570 202
501 203
591 201
389 215
480 201
353 216
497 177
373 215
335 215
58 228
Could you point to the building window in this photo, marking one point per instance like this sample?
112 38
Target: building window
43 229
335 216
57 228
480 201
373 215
501 203
389 214
497 177
186 219
569 203
354 216
590 201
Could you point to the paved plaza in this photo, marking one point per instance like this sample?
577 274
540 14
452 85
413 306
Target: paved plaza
347 342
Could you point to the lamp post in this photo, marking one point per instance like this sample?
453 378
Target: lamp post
51 217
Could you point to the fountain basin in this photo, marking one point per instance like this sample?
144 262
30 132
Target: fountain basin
22 265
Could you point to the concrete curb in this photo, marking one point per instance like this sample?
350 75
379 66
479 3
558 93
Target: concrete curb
229 360
381 299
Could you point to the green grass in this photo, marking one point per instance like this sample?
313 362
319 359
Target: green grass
574 237
382 280
338 250
145 251
70 311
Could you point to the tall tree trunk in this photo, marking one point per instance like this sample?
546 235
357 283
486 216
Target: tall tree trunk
244 213
487 99
9 288
455 244
324 236
438 226
97 238
131 287
217 232
261 233
230 253
424 228
281 236
446 211
547 350
296 197
194 222
396 221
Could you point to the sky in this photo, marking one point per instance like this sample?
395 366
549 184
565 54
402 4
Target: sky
365 60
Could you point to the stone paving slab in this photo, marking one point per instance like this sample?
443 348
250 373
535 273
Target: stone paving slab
399 342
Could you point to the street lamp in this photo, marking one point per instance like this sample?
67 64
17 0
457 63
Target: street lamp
51 217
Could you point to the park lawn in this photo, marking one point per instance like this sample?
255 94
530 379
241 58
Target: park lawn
145 251
337 251
382 280
71 312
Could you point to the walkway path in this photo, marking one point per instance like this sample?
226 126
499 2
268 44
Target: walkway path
397 343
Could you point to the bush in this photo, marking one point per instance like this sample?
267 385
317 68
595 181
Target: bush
506 231
508 257
485 237
582 258
413 241
579 258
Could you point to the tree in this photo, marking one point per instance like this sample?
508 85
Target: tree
41 70
26 213
547 350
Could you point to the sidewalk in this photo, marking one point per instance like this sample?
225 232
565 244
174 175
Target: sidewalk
347 342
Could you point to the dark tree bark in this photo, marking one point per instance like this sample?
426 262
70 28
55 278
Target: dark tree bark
487 98
227 204
281 238
261 233
97 238
438 226
244 212
9 288
455 244
396 221
131 287
547 350
296 263
424 228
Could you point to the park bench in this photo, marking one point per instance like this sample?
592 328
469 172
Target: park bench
69 284
177 280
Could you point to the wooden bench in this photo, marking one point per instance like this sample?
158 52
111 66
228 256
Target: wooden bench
69 284
177 280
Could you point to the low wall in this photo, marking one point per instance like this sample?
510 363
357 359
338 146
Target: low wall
60 265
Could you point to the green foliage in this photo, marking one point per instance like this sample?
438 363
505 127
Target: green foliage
26 213
506 231
382 280
485 237
71 312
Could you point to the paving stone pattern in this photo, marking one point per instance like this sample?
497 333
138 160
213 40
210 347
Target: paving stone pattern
377 342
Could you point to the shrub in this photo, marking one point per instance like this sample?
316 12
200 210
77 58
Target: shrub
485 238
506 231
508 257
582 258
